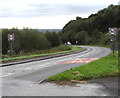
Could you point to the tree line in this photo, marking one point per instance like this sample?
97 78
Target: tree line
28 40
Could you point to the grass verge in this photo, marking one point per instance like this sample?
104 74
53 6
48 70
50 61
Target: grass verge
53 51
106 66
105 46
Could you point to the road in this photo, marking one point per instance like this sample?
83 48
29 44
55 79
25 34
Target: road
23 79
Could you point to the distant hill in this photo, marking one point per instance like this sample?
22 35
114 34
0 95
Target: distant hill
51 30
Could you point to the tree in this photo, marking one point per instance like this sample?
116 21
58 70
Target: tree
53 38
96 34
82 37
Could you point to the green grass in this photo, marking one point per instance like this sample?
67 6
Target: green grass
56 50
106 46
106 66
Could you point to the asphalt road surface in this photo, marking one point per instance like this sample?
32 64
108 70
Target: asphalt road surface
23 79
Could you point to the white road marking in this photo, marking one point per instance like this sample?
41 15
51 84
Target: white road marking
41 66
28 68
7 75
38 67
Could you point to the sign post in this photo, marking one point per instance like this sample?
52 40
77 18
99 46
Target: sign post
10 39
113 33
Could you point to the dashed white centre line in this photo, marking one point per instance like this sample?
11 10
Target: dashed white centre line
7 75
28 68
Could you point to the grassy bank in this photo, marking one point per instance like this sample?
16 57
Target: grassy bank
52 51
106 66
105 46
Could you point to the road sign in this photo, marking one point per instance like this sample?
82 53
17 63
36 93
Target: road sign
11 37
113 31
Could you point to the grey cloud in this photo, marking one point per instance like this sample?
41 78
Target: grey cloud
49 10
5 12
62 10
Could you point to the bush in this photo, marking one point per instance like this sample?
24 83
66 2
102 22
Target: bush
64 47
105 40
53 38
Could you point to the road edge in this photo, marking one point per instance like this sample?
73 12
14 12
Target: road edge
40 58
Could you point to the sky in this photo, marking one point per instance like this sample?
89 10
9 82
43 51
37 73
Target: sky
47 14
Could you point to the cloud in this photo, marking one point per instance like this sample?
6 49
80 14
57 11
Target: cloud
55 10
47 13
38 10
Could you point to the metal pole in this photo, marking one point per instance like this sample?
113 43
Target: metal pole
10 47
113 37
113 48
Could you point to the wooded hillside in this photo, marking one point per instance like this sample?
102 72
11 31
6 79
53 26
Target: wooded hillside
94 29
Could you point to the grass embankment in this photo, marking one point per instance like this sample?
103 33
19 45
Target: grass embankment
105 46
52 51
106 66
